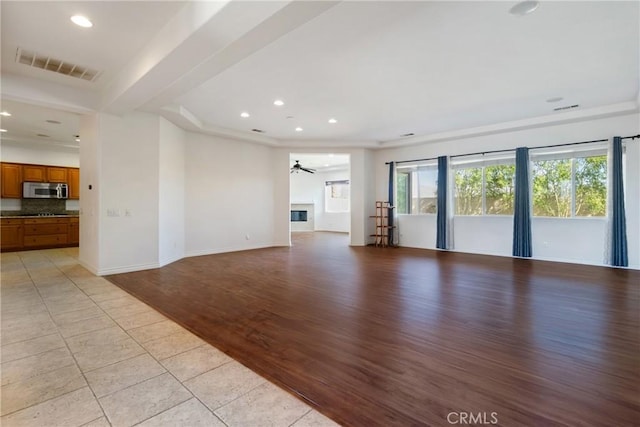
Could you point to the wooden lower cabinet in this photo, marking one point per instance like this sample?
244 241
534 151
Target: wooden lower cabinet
74 231
39 233
11 234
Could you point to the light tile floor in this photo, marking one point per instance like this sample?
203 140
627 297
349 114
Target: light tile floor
78 351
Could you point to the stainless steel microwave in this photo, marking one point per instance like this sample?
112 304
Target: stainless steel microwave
44 190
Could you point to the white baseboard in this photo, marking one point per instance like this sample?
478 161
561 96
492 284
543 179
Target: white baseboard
225 250
127 269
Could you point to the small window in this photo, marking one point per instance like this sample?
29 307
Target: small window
336 196
485 187
468 194
417 189
570 186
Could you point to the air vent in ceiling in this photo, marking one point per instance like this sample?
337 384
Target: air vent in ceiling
257 130
568 107
44 62
407 134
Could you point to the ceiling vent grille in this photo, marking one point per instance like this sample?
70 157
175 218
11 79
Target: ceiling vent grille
44 62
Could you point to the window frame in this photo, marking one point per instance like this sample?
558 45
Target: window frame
408 170
328 190
571 155
482 163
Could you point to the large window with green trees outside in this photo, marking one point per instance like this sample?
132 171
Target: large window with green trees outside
570 185
417 189
484 188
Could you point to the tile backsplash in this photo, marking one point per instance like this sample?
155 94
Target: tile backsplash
36 206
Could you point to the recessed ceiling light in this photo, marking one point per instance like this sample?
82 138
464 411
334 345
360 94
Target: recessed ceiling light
257 130
55 122
555 99
278 102
5 113
330 155
407 134
524 8
326 165
3 130
332 121
244 114
81 21
77 139
299 129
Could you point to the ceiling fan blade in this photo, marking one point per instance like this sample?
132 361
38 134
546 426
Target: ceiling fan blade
308 170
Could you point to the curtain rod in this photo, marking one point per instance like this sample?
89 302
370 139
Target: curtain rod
513 149
414 160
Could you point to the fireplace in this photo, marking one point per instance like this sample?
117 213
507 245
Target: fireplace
298 216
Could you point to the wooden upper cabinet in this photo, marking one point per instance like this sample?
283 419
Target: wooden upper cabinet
11 181
55 174
74 183
34 173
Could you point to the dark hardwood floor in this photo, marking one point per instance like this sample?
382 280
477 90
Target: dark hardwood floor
395 336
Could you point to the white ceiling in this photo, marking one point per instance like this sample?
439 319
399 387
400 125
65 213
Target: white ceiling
120 30
382 69
320 161
27 121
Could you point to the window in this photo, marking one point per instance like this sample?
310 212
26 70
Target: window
336 196
417 188
484 189
573 185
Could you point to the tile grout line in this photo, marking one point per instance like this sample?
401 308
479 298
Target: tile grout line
65 341
58 333
301 417
159 361
154 358
29 339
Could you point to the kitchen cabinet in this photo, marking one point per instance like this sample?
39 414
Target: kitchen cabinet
74 231
57 174
74 183
14 174
34 173
11 175
11 234
39 233
46 232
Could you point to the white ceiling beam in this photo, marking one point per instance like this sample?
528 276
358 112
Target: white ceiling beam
203 39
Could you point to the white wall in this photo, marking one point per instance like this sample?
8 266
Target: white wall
129 183
632 189
42 155
310 188
90 211
229 195
171 220
581 240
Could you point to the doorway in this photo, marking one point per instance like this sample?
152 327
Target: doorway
320 193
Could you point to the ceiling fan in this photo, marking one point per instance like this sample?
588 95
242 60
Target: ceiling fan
298 167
